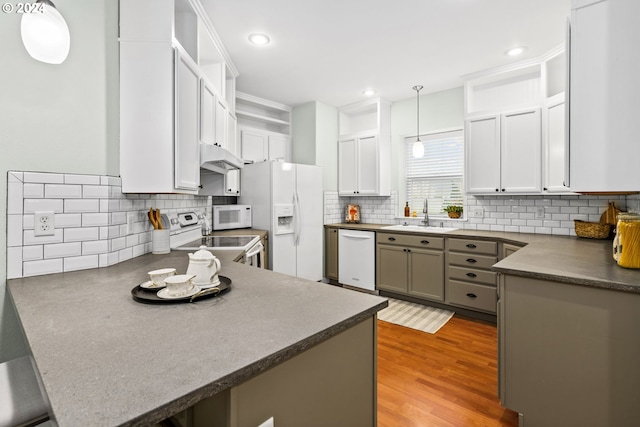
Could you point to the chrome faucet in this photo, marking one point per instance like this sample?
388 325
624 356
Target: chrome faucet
425 210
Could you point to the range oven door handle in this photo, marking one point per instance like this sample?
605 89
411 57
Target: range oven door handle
255 250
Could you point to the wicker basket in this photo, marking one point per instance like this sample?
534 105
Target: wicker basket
454 214
592 230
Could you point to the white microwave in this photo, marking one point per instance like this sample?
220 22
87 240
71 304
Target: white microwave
227 217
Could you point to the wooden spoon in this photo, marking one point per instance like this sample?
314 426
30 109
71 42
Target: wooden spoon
152 218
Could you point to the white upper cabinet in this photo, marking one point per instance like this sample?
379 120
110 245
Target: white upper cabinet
503 153
604 94
265 128
554 125
482 153
364 149
515 127
169 105
187 149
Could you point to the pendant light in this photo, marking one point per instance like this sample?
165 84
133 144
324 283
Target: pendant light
45 33
418 147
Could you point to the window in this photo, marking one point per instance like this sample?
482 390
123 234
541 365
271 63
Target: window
438 175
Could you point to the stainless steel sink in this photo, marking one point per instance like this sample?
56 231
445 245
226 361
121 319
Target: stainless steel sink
418 228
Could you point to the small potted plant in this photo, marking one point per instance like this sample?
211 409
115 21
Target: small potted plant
453 211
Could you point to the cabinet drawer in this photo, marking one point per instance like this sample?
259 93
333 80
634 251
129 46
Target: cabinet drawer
473 296
472 260
473 246
473 275
420 241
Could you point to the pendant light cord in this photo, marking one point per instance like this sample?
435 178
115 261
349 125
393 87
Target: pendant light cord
418 88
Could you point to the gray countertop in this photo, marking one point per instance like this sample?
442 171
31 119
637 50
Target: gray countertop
564 259
106 360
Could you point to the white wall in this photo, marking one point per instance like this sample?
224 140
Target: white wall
57 118
438 111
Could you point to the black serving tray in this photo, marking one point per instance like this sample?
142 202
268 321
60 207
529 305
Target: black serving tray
149 296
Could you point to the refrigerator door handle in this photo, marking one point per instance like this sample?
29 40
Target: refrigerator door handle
298 217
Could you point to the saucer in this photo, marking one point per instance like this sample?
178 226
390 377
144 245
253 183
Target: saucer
208 285
163 293
151 286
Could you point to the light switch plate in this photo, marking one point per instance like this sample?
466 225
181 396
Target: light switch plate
540 212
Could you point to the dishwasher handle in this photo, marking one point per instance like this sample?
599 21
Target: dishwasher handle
356 236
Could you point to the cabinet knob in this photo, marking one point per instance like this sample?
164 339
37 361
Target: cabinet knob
497 189
200 186
545 189
472 275
503 189
408 250
471 260
393 239
470 295
424 242
471 246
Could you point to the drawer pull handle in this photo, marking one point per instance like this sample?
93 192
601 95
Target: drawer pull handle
424 242
393 239
471 246
470 295
471 260
472 275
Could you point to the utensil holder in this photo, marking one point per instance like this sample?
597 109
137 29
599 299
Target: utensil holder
160 242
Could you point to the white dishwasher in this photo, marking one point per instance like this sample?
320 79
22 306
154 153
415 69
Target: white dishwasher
357 258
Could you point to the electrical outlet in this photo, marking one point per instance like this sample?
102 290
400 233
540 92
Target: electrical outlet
478 212
43 224
540 212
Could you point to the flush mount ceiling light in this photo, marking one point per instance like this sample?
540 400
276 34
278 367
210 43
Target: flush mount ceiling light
418 147
259 39
45 33
369 92
515 51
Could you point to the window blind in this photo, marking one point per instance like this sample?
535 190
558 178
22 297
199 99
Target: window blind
438 175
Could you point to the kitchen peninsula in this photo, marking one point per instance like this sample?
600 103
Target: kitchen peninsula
274 345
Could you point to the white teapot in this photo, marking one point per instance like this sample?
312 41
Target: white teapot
205 267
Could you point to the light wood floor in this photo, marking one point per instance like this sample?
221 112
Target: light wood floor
447 379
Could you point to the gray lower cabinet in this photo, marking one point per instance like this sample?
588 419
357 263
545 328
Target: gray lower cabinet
411 265
471 283
568 354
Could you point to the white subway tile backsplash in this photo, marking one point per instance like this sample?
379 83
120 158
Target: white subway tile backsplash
14 262
62 250
118 244
33 191
81 234
95 247
81 179
68 220
95 191
32 253
38 268
43 178
62 191
81 205
81 262
95 219
29 239
39 205
15 198
14 230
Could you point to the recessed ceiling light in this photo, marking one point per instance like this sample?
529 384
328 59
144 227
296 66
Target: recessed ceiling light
259 39
515 51
369 92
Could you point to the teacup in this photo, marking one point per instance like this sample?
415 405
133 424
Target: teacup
157 277
179 285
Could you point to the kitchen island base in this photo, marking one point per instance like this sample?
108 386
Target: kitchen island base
331 384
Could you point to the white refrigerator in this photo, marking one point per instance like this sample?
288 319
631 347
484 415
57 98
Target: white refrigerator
286 200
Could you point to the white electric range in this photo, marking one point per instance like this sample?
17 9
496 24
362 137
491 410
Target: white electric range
186 231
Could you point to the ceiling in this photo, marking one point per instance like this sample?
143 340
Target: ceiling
332 50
